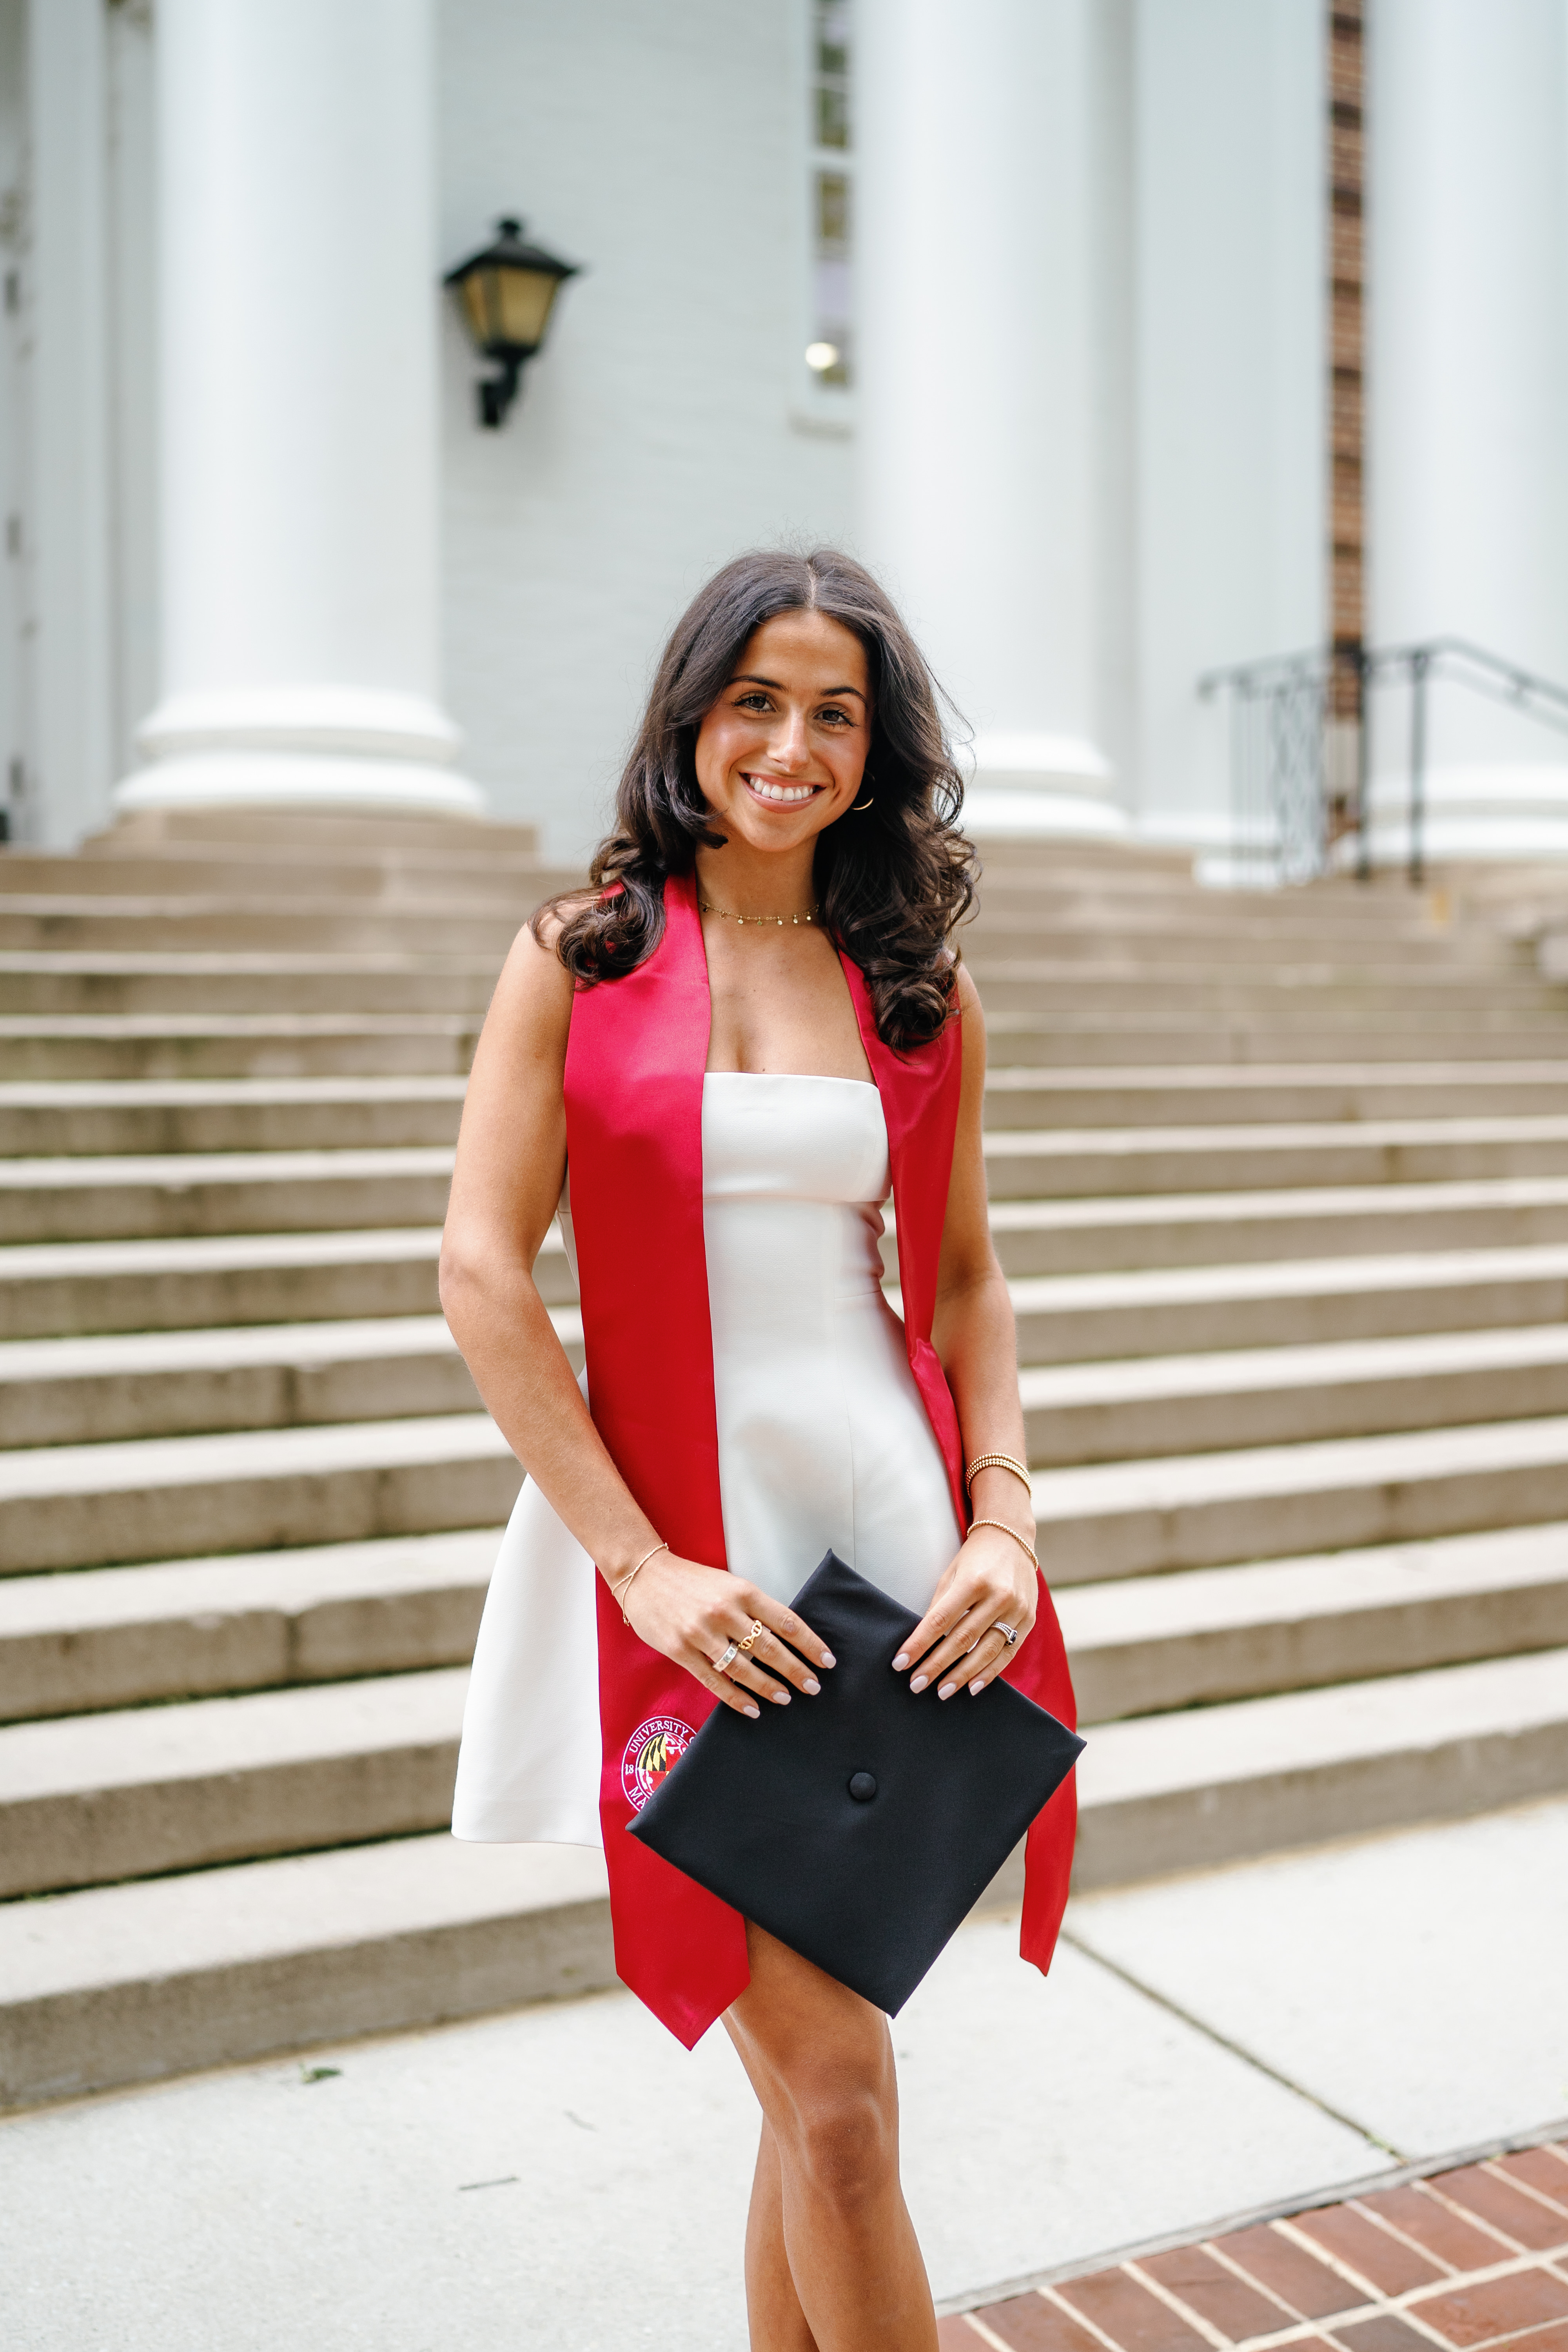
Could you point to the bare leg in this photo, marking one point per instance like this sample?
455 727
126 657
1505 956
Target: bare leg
821 2063
778 2323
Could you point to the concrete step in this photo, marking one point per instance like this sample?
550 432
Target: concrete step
41 982
142 1791
163 1045
1025 1097
1168 941
1201 1229
135 1983
304 834
1025 1165
1148 1644
140 1196
98 925
79 1116
55 1288
132 1982
1060 1041
187 1194
1183 1791
1271 1502
390 879
119 1637
79 1391
1168 1310
51 1289
125 1119
464 914
1225 1399
1285 1022
87 1506
1262 992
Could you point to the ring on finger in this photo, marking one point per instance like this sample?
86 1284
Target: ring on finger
757 1627
1009 1633
726 1658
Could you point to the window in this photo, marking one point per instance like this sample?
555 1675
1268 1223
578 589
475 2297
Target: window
830 350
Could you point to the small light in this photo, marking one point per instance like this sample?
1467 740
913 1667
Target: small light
822 356
507 294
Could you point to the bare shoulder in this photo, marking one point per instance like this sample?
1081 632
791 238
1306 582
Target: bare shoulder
971 1013
531 1010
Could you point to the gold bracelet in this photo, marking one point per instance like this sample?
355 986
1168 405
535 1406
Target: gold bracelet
617 1590
996 1461
1022 1541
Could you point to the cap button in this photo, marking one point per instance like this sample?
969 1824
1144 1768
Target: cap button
862 1787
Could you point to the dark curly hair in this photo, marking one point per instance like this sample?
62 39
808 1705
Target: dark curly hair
891 881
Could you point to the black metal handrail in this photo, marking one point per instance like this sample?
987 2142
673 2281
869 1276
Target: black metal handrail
1286 685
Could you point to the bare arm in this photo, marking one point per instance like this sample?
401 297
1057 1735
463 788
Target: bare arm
511 1160
991 1581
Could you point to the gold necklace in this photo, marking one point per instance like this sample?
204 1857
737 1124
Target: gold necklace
725 916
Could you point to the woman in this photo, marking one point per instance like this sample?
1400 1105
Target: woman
731 1037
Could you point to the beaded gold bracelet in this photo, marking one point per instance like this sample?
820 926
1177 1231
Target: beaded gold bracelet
1022 1541
996 1461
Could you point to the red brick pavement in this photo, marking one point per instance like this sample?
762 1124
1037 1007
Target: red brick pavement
1475 2260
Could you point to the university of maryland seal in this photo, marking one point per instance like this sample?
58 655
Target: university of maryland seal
650 1751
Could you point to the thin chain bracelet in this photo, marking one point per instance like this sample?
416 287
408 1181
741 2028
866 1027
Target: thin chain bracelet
996 1461
1022 1541
619 1590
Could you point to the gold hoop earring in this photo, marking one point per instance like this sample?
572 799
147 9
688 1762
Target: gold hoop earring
855 806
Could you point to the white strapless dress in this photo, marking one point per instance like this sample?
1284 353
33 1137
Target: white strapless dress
822 1441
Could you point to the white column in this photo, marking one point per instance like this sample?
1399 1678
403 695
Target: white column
69 525
980 407
1469 425
300 625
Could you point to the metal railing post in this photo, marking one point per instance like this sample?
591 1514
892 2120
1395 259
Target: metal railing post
1419 663
1363 769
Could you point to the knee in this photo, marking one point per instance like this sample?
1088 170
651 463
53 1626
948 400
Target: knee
845 2143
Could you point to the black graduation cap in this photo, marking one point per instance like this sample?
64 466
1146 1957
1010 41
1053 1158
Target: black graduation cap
859 1827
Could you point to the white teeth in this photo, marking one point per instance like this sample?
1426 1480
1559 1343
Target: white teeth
771 792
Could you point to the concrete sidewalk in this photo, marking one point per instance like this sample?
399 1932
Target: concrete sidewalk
567 2179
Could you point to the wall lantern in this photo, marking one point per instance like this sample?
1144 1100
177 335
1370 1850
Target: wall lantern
507 293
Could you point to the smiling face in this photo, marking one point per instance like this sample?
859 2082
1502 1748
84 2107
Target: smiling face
782 752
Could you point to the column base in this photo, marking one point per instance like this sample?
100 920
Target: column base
1507 811
1042 785
298 780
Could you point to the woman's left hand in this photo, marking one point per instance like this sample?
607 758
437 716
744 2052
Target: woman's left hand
989 1583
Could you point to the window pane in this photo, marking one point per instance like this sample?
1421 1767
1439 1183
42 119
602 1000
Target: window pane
830 101
833 212
832 115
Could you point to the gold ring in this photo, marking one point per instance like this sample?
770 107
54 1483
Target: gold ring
757 1627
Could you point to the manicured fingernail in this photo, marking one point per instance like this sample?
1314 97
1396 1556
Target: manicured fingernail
753 1711
811 1684
976 1687
780 1697
828 1659
947 1690
900 1662
920 1682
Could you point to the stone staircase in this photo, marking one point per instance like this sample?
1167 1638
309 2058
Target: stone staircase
1282 1187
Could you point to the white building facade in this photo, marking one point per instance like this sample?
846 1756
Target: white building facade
1059 265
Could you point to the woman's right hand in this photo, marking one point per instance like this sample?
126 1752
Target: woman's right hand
690 1614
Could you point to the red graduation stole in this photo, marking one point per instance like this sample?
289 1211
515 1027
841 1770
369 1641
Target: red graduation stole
635 1062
